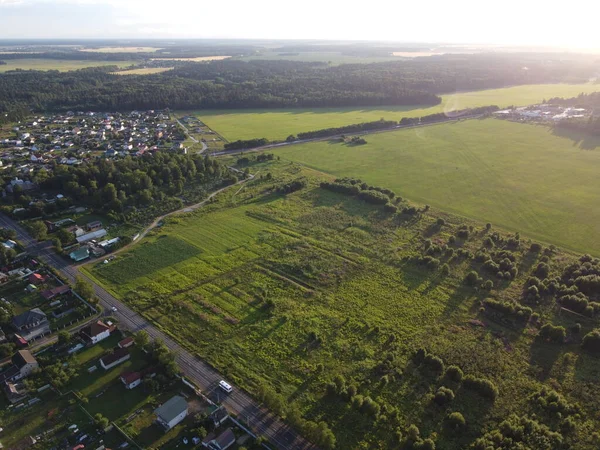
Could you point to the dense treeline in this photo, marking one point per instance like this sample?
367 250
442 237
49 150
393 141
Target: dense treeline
441 117
117 186
250 143
2 63
588 126
356 128
591 100
388 124
272 84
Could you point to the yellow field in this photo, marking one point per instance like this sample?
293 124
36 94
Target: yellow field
121 49
145 71
196 59
57 64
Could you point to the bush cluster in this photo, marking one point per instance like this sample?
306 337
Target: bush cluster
482 386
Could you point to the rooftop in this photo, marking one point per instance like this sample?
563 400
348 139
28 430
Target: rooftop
171 408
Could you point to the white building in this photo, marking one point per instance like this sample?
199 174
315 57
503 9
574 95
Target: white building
172 412
93 235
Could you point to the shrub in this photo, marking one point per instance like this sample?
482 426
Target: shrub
357 401
488 285
445 269
483 387
451 240
456 421
553 334
454 373
488 226
463 234
370 407
440 222
535 247
443 396
413 433
591 341
472 278
435 363
390 208
425 444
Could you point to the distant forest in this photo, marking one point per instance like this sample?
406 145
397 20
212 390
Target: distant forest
278 84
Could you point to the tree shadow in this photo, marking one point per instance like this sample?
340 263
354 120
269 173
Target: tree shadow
580 139
543 356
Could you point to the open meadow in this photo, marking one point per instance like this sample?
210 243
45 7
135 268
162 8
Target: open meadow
57 64
522 177
279 124
317 302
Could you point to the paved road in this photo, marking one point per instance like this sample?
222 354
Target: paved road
202 374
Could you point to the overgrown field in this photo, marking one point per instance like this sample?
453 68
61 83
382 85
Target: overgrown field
331 308
56 64
279 124
523 177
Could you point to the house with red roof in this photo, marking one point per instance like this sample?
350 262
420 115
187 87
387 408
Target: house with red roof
37 279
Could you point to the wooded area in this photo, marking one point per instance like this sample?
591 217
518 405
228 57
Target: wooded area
277 84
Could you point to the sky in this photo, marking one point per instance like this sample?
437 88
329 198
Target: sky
509 22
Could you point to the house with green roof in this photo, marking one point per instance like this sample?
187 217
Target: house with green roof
80 254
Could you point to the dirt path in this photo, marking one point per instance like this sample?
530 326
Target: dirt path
185 209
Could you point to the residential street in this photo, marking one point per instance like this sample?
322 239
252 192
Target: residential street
202 374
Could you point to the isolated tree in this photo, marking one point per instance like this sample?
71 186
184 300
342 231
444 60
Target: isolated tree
84 288
38 230
456 421
142 339
64 236
64 337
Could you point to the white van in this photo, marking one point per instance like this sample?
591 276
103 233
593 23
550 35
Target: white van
225 386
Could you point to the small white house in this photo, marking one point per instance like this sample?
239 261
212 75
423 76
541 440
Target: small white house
131 379
96 332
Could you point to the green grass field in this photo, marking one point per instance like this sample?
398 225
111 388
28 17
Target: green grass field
272 287
279 124
56 64
521 177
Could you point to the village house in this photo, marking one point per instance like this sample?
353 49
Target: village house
36 279
31 324
80 254
126 343
118 356
96 332
56 292
221 442
23 365
172 412
15 392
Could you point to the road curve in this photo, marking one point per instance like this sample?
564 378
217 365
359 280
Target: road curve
260 420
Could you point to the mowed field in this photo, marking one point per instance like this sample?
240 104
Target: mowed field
56 64
522 177
284 293
279 124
